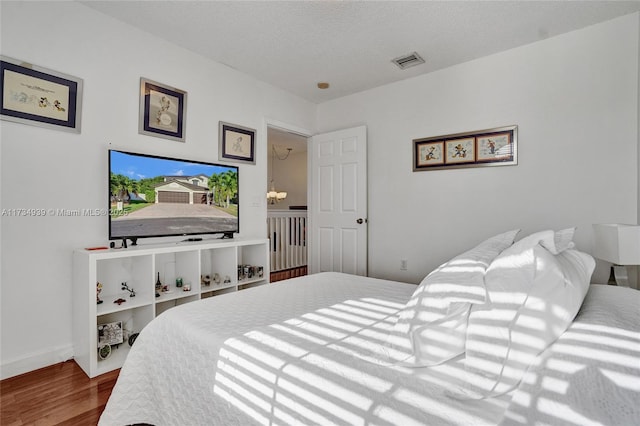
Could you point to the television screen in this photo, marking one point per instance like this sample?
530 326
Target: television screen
151 196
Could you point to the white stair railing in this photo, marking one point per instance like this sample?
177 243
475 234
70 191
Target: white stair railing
287 230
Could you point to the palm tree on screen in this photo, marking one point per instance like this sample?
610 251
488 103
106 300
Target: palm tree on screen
121 186
229 181
214 187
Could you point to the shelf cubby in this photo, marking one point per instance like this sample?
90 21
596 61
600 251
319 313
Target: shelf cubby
133 321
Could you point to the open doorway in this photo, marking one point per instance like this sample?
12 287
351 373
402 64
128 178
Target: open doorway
287 203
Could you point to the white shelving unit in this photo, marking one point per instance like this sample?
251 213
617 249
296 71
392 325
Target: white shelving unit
139 267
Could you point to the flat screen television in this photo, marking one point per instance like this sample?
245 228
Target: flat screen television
152 196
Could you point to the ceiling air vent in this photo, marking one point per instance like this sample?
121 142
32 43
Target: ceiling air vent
407 61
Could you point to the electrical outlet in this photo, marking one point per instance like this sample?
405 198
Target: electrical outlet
403 264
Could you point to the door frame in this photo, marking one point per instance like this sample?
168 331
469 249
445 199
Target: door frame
308 134
286 127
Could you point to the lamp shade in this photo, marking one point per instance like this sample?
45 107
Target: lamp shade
617 243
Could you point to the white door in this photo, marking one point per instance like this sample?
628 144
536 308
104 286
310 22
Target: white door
338 202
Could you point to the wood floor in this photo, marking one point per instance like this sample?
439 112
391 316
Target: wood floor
288 273
57 395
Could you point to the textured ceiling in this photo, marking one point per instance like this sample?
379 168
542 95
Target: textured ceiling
295 44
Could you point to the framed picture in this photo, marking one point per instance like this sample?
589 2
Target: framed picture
460 151
430 153
39 96
494 146
489 147
163 111
110 333
237 143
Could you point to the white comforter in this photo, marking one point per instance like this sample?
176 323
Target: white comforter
288 353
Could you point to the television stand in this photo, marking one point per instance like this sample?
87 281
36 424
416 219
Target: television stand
103 274
227 235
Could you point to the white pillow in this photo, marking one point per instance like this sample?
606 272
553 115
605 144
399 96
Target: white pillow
432 326
534 290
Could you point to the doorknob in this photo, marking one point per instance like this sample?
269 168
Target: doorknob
360 221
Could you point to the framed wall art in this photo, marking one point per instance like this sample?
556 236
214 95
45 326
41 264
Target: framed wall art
489 147
39 96
237 143
460 151
163 111
430 153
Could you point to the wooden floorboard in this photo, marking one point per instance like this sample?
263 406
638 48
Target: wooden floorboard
57 395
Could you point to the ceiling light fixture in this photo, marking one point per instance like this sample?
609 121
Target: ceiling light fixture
274 196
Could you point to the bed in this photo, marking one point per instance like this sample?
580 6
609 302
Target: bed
334 348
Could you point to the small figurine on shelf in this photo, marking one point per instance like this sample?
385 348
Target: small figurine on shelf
133 338
132 292
205 280
104 351
248 271
158 286
98 290
227 279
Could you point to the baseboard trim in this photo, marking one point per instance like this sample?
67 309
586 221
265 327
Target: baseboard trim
35 361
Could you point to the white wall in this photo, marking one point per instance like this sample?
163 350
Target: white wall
44 168
575 101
